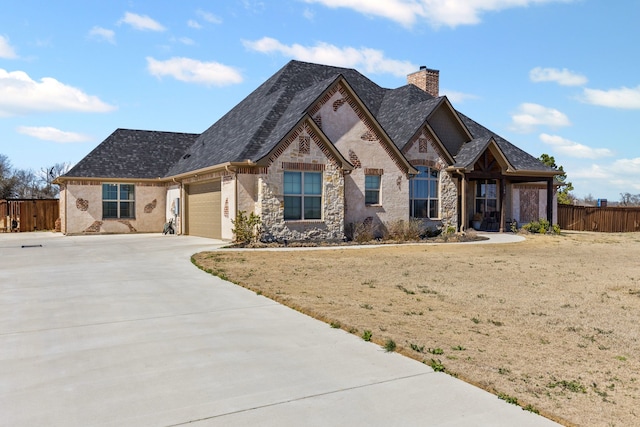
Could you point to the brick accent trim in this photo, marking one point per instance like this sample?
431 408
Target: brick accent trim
338 103
251 171
106 181
425 162
425 134
372 132
371 171
284 144
304 144
318 167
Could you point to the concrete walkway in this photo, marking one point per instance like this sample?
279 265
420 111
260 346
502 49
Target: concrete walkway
121 330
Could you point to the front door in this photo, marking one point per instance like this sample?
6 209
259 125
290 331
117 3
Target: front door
486 204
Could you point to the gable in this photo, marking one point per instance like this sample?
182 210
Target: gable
425 146
305 141
450 130
347 123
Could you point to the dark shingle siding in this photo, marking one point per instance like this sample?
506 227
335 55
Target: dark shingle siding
134 154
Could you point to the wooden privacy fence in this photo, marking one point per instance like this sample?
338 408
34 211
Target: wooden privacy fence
28 214
607 219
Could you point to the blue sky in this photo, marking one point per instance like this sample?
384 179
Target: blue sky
552 76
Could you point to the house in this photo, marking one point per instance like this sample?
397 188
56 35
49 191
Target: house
313 150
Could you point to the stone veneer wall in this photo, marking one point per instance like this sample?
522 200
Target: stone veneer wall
424 151
304 152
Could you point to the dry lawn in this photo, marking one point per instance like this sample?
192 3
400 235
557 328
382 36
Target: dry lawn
553 321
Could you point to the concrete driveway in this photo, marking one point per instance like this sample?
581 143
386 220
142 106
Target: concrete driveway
121 330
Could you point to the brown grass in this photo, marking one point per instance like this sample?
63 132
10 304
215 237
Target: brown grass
553 321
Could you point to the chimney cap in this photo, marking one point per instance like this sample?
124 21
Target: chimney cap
423 67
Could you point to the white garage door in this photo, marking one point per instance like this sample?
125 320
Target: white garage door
203 213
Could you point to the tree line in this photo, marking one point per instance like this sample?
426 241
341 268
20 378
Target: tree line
27 183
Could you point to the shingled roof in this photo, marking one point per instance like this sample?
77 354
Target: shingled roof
519 159
130 153
251 129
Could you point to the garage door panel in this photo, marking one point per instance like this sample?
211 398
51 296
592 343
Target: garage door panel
204 210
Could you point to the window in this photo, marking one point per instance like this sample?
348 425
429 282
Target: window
487 197
302 195
423 193
372 189
118 201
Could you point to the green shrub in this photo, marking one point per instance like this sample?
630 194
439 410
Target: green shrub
390 345
542 226
246 229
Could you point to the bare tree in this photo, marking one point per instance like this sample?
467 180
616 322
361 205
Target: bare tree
628 199
7 179
47 175
27 184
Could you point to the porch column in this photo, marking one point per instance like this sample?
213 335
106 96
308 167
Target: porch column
550 200
503 203
463 203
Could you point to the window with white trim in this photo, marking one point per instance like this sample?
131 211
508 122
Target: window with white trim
423 193
372 189
118 201
302 195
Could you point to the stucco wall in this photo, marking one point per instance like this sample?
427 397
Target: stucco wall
174 198
63 201
360 145
228 206
84 210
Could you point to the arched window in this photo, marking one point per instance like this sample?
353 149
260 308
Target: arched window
424 194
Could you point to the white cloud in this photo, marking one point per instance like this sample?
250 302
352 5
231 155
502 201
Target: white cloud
6 50
141 22
457 97
192 23
103 34
209 17
437 13
19 94
628 166
530 115
402 11
563 77
308 14
186 41
594 172
194 71
627 98
48 133
574 149
368 60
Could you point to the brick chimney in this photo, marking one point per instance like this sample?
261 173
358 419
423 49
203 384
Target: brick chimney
426 79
